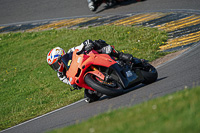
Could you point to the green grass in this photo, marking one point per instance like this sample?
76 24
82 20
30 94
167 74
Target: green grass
175 113
29 87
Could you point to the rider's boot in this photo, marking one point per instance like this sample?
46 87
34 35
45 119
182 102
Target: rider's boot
126 57
91 96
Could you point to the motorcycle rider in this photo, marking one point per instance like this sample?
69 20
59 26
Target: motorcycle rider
55 55
94 4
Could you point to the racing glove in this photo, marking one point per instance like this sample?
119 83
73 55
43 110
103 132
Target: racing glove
86 46
99 44
89 45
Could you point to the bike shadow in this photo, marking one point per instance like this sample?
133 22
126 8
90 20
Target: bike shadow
124 3
131 89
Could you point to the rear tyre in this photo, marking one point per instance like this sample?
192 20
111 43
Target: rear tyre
111 88
150 74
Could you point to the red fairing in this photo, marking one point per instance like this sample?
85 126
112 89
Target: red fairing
81 63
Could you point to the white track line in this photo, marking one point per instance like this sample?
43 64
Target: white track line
42 115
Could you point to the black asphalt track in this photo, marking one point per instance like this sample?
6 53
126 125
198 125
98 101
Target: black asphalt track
182 72
12 11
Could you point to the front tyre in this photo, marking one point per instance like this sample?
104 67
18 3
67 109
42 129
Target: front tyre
110 88
149 73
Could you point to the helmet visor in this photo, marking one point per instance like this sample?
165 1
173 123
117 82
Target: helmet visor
56 65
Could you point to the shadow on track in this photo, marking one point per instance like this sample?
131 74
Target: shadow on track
119 4
131 89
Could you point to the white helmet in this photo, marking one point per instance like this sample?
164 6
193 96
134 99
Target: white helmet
53 59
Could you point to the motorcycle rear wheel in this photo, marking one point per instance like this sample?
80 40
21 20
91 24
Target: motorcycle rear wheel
150 74
108 88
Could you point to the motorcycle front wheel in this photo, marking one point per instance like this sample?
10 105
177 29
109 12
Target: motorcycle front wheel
110 88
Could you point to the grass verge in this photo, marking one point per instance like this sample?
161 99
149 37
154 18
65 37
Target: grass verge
175 113
28 86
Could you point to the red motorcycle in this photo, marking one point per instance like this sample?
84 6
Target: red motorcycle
102 74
